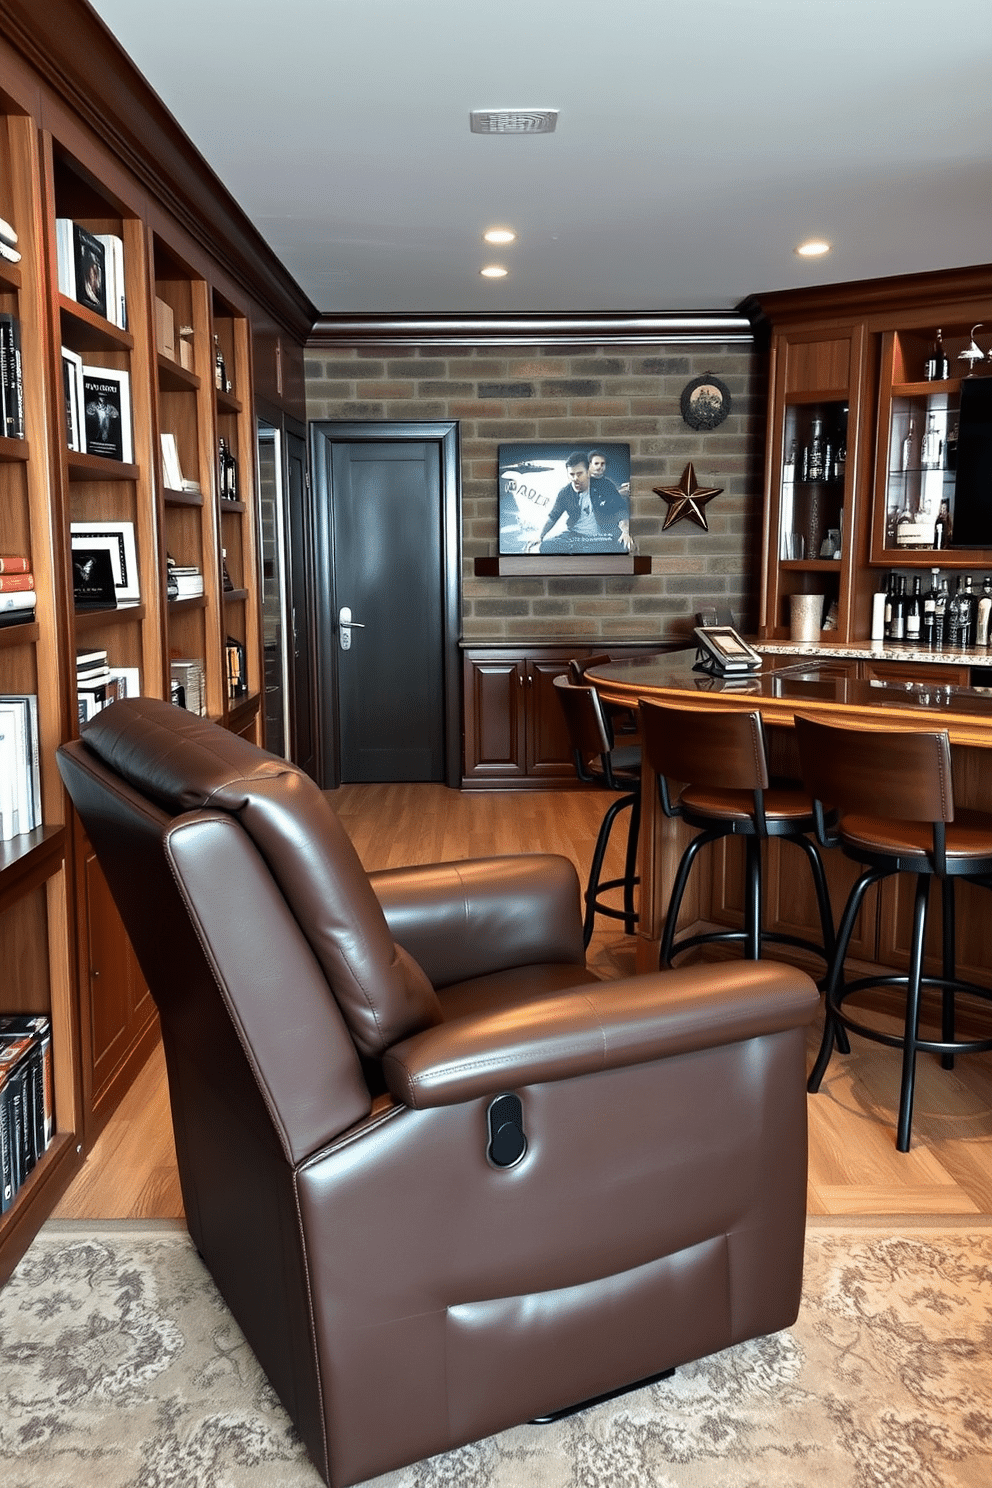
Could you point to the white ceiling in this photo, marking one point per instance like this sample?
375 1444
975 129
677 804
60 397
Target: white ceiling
696 144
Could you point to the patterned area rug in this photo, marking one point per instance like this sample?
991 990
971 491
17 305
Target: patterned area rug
121 1368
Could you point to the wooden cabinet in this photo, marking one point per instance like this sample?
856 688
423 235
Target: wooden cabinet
192 273
515 733
861 445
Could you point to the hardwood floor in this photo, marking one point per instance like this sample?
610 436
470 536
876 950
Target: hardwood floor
854 1166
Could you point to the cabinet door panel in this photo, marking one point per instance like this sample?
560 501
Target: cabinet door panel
494 719
549 752
120 1005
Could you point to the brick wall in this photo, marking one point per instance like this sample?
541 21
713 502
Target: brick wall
620 393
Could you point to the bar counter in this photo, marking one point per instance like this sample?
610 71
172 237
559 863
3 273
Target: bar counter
834 690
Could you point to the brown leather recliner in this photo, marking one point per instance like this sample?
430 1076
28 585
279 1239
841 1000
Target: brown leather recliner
414 1265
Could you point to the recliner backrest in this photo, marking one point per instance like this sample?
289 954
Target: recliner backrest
183 763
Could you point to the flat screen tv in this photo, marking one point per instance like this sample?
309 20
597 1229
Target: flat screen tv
973 483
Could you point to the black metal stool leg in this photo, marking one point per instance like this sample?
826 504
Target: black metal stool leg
912 1033
678 893
752 899
831 1025
949 968
630 868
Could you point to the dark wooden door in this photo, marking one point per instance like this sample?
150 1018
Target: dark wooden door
385 501
303 701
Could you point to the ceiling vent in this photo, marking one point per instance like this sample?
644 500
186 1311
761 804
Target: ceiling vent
513 121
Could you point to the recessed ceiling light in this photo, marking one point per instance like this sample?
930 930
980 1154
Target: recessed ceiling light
493 271
500 235
813 249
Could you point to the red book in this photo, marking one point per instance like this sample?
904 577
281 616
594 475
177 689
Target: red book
11 563
16 581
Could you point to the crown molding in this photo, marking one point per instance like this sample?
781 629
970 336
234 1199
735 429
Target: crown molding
72 51
647 329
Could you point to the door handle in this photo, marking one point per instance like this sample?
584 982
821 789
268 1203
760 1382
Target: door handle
346 625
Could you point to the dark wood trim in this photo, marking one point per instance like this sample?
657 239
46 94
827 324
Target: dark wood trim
523 565
649 329
72 50
445 433
865 297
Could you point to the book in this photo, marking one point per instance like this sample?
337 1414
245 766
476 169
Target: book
16 583
27 702
116 301
7 233
15 617
89 258
171 467
10 815
63 250
14 563
18 1083
107 413
23 599
92 697
38 1027
9 253
94 656
72 391
11 380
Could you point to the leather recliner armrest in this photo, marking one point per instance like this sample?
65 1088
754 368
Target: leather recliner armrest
597 1027
468 919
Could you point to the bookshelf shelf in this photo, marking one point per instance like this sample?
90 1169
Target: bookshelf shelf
26 634
27 861
174 378
191 602
14 449
235 596
227 402
83 330
227 505
182 498
10 275
90 620
99 468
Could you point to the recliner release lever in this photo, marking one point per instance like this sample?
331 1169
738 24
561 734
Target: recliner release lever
507 1141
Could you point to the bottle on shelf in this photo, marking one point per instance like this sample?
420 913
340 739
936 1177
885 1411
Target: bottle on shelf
936 367
984 614
914 613
897 621
220 368
940 616
789 464
907 456
961 616
951 447
929 617
816 454
932 445
879 604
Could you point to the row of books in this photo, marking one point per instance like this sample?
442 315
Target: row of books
20 777
91 270
98 684
11 378
97 409
188 687
27 1098
172 469
17 595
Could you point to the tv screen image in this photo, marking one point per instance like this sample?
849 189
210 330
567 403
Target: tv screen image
564 498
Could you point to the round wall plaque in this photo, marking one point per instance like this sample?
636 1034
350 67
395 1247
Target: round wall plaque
705 402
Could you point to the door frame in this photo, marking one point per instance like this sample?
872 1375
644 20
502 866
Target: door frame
443 433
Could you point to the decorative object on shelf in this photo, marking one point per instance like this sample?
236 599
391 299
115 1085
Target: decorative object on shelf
93 579
564 499
237 682
972 353
936 367
813 525
705 402
118 539
687 500
805 616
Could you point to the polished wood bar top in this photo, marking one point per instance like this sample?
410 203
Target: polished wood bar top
832 688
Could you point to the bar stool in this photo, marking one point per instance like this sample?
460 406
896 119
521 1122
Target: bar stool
895 801
600 762
722 762
622 718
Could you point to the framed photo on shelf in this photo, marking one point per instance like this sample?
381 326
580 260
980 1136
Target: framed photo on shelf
72 388
93 586
569 499
118 540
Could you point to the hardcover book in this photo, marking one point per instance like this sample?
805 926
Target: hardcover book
90 260
11 381
107 413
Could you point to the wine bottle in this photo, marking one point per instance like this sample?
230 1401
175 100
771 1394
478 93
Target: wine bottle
929 611
816 455
897 628
908 447
940 616
932 447
984 613
936 366
914 613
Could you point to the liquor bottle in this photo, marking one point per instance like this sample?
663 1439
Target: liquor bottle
914 613
816 454
929 611
220 368
840 459
936 366
960 616
940 616
908 452
932 447
897 625
984 613
951 447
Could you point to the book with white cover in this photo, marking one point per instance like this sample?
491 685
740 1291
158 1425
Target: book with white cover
170 463
107 413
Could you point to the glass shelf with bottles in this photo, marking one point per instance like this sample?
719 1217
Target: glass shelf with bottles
920 473
814 467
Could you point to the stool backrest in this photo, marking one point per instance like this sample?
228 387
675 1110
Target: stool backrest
589 730
577 668
716 748
900 774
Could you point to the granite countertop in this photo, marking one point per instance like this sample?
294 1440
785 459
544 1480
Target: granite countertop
874 651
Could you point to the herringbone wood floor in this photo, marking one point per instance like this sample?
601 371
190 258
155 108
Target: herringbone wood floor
854 1166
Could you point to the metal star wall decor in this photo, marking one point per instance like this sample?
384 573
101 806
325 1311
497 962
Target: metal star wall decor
687 500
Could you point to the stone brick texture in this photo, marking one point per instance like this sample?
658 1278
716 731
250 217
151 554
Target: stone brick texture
625 393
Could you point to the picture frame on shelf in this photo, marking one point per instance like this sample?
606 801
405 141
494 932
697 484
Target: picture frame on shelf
72 388
93 586
107 413
566 499
117 538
